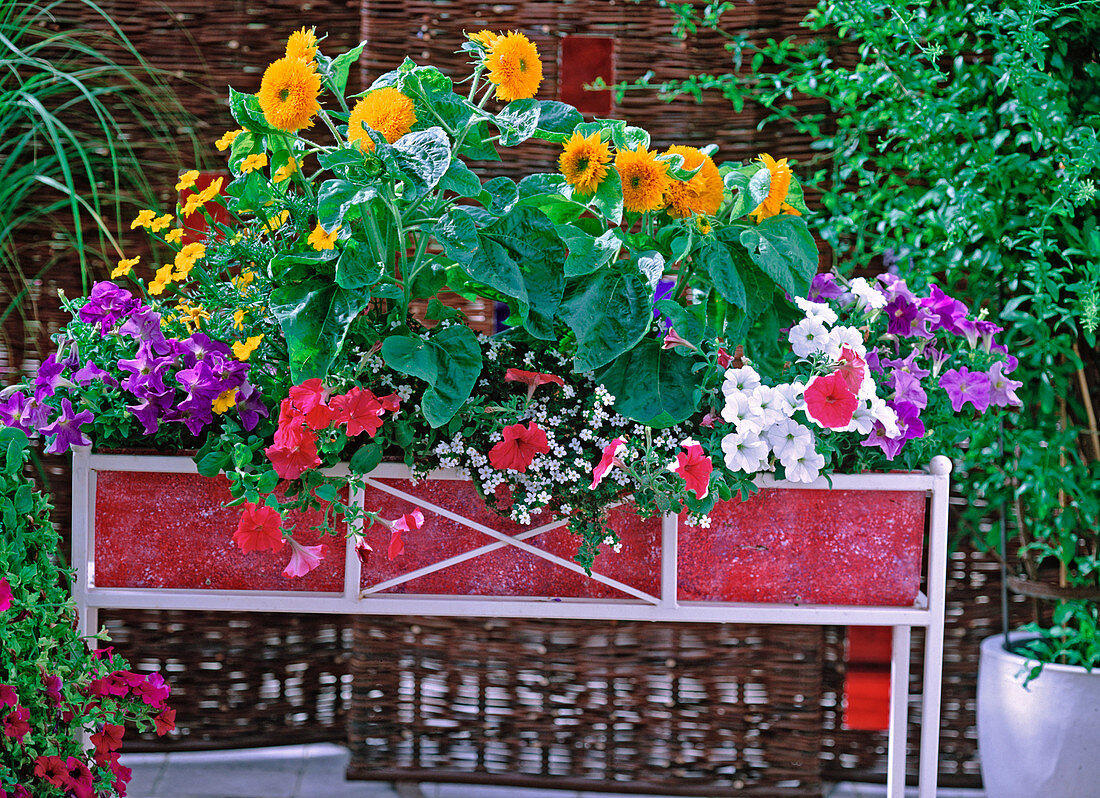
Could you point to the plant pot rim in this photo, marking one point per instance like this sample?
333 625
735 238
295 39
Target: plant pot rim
993 646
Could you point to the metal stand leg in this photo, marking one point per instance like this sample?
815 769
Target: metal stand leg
899 711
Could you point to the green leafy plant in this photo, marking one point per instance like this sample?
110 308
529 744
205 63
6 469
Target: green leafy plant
54 688
962 144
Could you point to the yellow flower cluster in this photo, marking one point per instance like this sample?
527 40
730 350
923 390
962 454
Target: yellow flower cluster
242 350
197 200
191 316
150 221
385 110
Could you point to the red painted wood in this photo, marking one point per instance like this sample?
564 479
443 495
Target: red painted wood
171 531
582 60
195 226
867 678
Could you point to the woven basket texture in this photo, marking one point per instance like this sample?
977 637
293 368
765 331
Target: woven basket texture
694 708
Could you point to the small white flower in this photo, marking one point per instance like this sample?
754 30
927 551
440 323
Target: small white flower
744 412
816 310
743 379
792 392
866 294
808 337
807 468
789 440
745 451
840 337
885 415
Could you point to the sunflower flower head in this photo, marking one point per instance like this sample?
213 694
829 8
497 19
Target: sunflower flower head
302 44
699 194
288 94
385 110
483 38
645 179
584 161
514 67
778 187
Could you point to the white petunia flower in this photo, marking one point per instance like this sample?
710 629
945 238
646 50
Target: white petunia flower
789 440
885 415
840 337
863 420
867 294
808 337
773 405
816 310
743 379
792 392
744 412
745 451
807 468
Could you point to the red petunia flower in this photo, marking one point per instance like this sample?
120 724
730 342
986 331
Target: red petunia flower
259 528
309 399
519 447
695 468
533 379
829 401
673 340
165 722
5 595
609 459
16 724
294 451
51 769
406 523
853 369
360 410
303 559
8 696
109 738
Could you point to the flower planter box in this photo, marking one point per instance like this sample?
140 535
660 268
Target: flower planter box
787 544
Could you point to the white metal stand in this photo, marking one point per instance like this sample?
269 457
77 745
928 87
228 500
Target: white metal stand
927 611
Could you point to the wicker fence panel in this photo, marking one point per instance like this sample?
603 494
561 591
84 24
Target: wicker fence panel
687 708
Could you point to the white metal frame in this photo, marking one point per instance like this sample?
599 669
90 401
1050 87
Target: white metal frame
927 611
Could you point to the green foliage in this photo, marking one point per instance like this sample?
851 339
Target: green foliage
962 144
42 657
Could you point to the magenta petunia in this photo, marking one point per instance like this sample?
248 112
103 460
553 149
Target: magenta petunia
963 385
5 599
303 559
695 467
608 460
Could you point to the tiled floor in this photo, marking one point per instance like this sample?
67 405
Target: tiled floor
317 771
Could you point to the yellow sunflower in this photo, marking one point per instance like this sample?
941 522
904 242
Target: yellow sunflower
485 38
702 193
584 161
780 183
514 67
288 94
645 179
302 44
387 111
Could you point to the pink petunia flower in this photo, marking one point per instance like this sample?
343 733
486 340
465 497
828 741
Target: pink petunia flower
609 460
303 559
259 528
829 401
406 523
518 448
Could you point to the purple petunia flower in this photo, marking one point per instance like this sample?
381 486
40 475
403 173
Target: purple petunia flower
824 286
909 426
144 327
92 373
107 303
67 429
151 408
963 385
249 406
23 412
907 388
195 412
901 314
1002 388
147 372
48 379
987 329
874 360
947 312
896 287
199 347
908 364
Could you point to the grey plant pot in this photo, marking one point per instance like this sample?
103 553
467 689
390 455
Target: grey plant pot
1042 740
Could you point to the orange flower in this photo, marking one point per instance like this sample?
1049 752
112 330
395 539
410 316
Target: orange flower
585 161
645 179
778 188
514 67
288 94
385 110
701 193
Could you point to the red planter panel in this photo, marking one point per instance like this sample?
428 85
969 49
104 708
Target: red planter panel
171 531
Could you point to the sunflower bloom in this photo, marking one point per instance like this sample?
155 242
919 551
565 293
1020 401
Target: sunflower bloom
386 111
288 94
778 187
702 193
645 179
320 240
124 267
227 139
253 162
187 180
242 350
514 67
584 162
302 44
